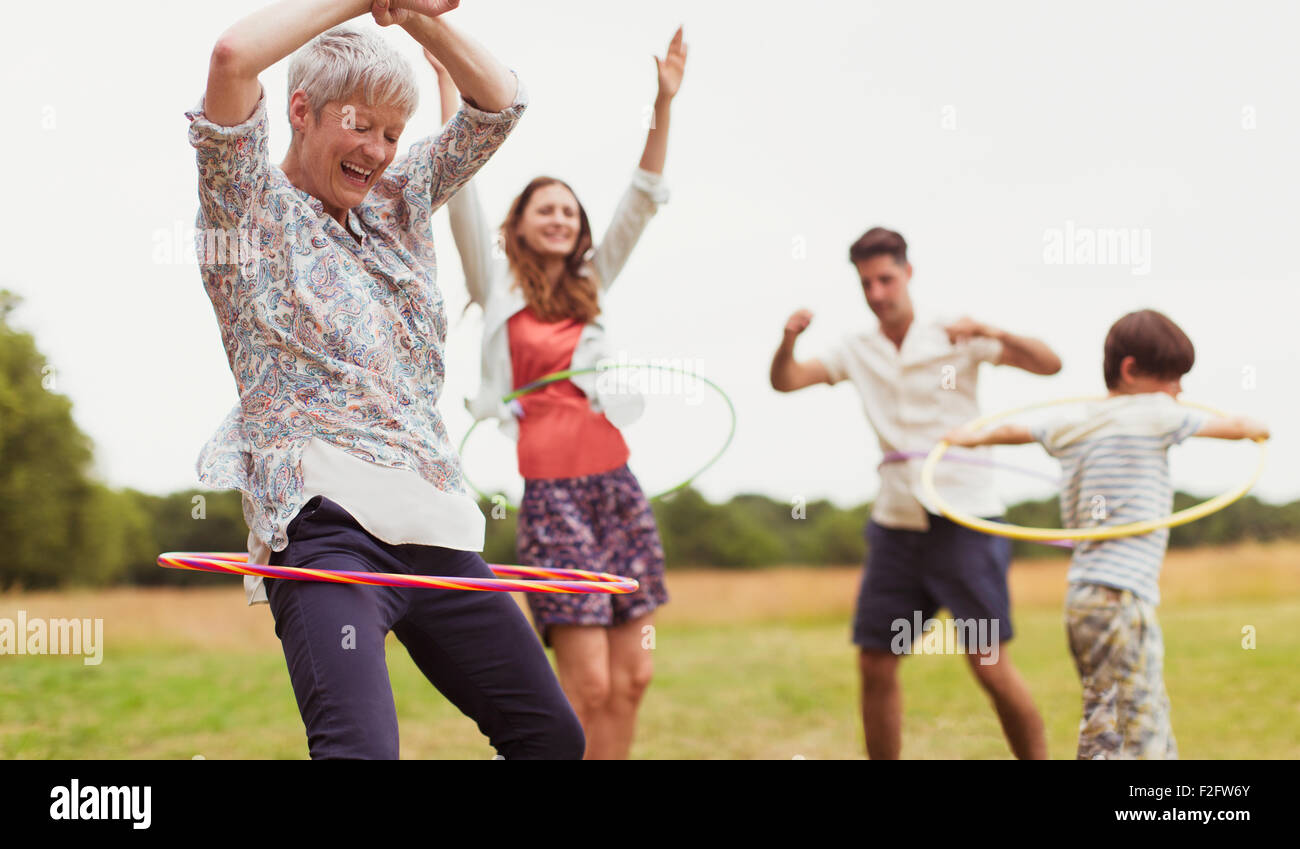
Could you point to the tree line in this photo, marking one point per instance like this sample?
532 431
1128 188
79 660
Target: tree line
59 526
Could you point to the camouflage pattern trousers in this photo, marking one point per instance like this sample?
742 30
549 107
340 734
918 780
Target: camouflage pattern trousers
1119 652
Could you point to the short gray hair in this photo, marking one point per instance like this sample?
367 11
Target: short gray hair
343 60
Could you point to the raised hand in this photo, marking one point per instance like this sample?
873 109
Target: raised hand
798 323
671 67
389 12
966 328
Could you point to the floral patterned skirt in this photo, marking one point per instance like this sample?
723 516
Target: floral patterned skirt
601 523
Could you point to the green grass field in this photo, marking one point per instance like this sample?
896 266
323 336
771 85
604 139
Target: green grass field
748 665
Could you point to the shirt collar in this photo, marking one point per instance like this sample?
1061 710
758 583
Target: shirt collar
918 344
354 221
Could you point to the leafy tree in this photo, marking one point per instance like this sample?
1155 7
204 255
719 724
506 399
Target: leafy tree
50 511
499 540
191 520
60 526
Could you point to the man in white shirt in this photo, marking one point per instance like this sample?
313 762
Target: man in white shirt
917 380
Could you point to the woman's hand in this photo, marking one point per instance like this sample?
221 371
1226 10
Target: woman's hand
389 12
671 67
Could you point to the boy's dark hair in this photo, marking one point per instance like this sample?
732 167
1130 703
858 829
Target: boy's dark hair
1158 347
878 241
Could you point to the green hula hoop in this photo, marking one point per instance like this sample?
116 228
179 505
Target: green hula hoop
555 377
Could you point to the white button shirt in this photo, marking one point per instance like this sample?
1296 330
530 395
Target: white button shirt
394 505
912 396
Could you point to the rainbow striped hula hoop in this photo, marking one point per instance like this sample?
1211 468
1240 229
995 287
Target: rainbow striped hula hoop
551 580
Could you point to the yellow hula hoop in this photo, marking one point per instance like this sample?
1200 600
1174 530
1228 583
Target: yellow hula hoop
1020 532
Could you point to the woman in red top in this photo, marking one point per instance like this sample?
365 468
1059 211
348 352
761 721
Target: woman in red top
582 507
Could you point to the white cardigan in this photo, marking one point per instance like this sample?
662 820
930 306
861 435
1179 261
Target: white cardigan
490 283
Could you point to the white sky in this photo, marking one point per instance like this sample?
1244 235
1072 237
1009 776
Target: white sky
974 129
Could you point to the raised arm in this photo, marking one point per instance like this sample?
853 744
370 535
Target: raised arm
256 43
469 228
671 68
642 199
474 241
1022 352
789 375
486 83
448 96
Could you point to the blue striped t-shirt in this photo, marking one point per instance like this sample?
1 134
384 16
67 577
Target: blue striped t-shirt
1115 471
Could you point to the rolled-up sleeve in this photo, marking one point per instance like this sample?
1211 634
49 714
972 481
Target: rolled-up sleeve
984 349
1044 434
233 164
1179 429
833 359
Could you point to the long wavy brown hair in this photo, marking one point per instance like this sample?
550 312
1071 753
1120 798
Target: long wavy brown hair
574 296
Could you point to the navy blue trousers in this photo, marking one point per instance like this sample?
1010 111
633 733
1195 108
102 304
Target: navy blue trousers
476 648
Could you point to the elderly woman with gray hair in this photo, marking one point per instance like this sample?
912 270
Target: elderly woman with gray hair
334 328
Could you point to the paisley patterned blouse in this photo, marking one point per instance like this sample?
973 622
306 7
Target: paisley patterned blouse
328 336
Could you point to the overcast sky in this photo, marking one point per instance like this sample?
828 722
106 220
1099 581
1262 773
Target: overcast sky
997 137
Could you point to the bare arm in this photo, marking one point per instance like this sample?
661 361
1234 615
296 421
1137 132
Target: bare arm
1239 427
256 43
1032 355
1003 435
647 193
448 96
486 83
788 374
1022 352
671 68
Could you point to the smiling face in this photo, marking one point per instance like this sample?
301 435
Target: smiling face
552 221
339 157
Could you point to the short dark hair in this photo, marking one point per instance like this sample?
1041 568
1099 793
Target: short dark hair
878 241
1158 347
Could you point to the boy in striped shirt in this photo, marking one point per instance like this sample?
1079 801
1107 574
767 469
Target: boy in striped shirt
1115 471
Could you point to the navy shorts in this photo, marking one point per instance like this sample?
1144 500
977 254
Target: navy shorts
909 575
476 648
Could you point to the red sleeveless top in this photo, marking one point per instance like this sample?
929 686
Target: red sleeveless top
560 436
